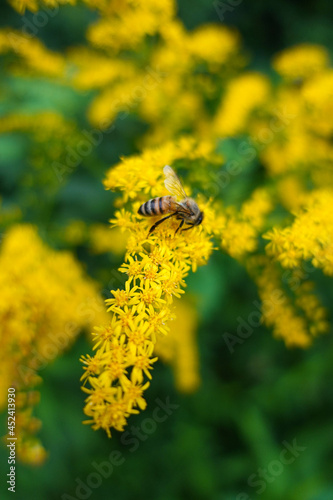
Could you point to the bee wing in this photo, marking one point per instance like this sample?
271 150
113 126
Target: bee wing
173 184
183 209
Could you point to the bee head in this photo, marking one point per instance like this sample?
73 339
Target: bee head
199 219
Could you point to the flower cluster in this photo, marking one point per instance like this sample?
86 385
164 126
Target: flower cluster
33 58
156 266
243 95
302 61
242 228
140 176
46 301
309 237
293 129
180 66
290 305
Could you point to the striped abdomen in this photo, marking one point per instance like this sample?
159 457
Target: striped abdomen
158 206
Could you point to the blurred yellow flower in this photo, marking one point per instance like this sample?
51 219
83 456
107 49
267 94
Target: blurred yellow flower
289 305
46 301
213 44
35 58
34 5
310 235
242 229
243 94
301 61
318 97
102 239
125 27
179 347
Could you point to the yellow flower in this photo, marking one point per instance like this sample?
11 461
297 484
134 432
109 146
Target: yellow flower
75 232
156 266
179 347
123 297
288 303
125 28
35 57
103 240
34 5
46 301
240 235
92 366
213 44
310 235
318 99
142 362
301 61
103 336
243 95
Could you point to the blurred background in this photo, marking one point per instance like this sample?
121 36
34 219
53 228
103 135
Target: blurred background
222 441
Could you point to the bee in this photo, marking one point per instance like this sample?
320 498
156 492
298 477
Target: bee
178 205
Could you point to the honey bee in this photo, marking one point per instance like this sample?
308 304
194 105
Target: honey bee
178 205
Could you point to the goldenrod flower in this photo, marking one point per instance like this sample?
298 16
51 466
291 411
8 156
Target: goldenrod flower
46 301
309 237
156 266
243 94
35 57
34 5
125 26
301 61
179 347
241 231
318 99
289 304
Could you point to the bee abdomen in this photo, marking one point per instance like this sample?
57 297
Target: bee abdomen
156 206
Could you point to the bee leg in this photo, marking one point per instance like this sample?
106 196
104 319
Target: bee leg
154 226
180 226
191 227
